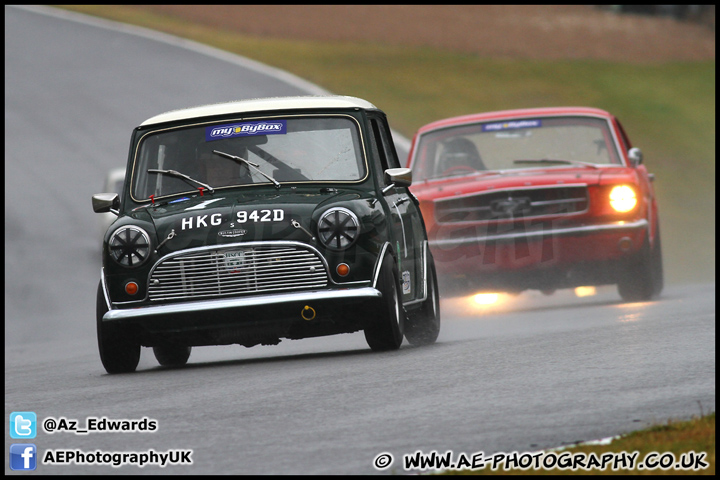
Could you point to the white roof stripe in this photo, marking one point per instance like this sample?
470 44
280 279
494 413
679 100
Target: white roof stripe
260 104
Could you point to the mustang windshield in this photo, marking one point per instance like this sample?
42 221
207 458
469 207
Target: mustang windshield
505 145
274 151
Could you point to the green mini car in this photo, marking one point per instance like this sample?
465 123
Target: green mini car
252 221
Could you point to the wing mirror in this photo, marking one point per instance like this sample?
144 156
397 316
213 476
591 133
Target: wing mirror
398 177
635 156
106 202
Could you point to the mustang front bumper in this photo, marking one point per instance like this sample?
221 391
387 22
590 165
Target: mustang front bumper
555 253
540 234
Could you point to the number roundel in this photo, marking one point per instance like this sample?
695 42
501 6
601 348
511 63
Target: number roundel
338 228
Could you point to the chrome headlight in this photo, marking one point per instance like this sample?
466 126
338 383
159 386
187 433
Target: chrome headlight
129 246
338 228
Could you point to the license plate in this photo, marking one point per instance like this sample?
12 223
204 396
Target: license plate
235 261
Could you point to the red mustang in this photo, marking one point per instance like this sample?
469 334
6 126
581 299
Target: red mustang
541 199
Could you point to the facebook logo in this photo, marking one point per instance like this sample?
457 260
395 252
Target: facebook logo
23 456
23 425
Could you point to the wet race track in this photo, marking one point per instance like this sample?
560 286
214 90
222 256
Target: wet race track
526 373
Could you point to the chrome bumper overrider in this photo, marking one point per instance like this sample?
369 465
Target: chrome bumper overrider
232 303
543 233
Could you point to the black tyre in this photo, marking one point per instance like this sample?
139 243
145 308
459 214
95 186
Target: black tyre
170 355
386 330
423 325
119 351
643 277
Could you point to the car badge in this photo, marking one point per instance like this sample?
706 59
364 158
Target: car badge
511 206
235 232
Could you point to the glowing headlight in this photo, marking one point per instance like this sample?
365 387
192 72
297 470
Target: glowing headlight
622 198
338 228
129 246
486 298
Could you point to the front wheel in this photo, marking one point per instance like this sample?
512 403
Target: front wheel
643 277
386 330
423 326
119 351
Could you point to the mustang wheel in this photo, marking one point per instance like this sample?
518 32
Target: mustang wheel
169 355
643 277
386 332
423 325
119 351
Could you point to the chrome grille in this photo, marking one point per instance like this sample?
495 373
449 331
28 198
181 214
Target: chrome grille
515 203
236 270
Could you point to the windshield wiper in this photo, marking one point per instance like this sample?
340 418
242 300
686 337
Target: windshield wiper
187 178
249 164
551 161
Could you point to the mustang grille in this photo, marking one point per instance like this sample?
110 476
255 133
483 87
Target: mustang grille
518 203
236 271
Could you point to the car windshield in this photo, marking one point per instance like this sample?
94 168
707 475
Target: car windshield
275 151
514 144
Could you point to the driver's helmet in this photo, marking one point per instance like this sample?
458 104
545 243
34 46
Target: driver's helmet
459 151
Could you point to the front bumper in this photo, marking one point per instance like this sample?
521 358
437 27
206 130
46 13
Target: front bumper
539 257
540 234
253 319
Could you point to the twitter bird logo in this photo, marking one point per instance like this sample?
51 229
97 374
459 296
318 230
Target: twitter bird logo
23 425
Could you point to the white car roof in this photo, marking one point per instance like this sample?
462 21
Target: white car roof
261 104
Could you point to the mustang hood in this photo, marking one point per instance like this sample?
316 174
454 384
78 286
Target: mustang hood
521 178
222 219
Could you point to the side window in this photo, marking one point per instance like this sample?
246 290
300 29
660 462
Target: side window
376 157
623 136
385 146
